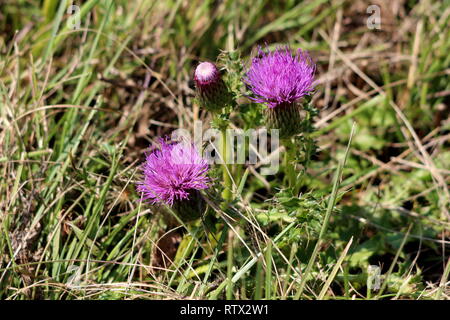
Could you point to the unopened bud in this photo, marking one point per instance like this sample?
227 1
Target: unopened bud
211 90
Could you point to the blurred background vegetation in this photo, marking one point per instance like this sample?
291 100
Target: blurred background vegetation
79 107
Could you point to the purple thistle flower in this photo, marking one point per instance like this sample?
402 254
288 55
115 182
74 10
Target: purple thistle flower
280 78
173 172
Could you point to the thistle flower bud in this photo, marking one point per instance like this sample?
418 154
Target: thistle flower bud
211 90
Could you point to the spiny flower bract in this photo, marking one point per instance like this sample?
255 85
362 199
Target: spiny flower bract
279 77
172 172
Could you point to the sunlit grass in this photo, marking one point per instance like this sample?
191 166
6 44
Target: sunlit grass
78 108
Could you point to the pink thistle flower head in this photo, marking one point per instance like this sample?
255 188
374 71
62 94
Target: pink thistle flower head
279 77
173 172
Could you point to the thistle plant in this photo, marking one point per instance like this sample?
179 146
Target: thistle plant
282 80
173 175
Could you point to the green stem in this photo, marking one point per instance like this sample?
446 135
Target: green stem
289 164
309 147
269 270
259 280
230 266
226 194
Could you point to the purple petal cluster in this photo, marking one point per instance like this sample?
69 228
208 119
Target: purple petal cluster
172 172
278 77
